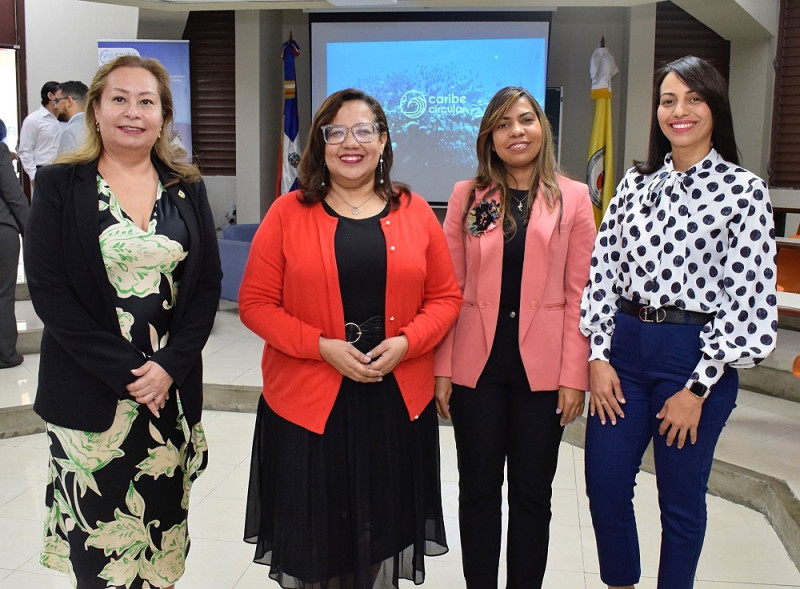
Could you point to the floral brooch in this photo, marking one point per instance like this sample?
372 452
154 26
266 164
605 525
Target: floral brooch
482 217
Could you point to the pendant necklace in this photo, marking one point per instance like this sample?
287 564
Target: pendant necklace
355 209
520 202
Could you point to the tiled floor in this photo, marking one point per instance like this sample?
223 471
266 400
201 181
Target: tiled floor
741 549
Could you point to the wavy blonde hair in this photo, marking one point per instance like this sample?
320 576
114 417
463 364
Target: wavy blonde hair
172 155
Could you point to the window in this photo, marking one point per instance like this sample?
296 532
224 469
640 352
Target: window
212 55
784 166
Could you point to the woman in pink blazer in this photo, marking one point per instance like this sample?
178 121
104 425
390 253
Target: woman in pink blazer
513 370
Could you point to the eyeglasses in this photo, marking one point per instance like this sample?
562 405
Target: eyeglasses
336 134
57 100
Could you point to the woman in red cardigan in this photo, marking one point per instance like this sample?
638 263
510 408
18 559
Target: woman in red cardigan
516 364
350 284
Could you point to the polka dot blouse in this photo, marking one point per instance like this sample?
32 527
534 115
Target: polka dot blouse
700 240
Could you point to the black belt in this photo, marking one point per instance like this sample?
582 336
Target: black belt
365 336
649 314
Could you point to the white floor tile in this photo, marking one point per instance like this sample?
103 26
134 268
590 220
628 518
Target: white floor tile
216 518
217 564
440 573
759 555
10 489
212 477
25 463
28 580
27 505
563 580
741 549
565 507
565 553
21 540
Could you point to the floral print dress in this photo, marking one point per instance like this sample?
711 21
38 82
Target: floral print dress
118 500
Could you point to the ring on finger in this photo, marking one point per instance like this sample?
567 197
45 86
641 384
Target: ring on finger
603 402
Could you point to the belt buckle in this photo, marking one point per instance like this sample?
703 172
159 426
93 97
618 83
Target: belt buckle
358 329
645 315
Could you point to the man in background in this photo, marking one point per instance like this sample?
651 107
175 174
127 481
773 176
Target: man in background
13 214
69 103
40 134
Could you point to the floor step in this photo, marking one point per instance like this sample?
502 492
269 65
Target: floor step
29 341
774 376
21 293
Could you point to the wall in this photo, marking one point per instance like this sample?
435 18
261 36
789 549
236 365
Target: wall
574 35
639 82
61 39
259 107
575 32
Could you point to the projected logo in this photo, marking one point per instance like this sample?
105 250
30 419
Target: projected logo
413 104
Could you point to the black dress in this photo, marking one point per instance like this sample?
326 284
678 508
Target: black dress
117 501
358 506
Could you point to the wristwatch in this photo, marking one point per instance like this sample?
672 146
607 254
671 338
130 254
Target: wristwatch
698 389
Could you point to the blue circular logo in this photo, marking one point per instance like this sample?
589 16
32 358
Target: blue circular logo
413 104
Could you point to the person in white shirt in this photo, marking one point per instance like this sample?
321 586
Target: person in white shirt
40 134
69 103
681 293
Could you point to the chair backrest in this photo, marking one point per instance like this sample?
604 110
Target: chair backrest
243 232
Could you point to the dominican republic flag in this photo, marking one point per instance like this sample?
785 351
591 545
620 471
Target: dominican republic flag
290 152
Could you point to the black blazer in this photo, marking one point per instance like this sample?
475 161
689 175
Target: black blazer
85 361
13 202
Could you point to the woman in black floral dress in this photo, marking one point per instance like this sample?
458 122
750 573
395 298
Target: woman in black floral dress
123 268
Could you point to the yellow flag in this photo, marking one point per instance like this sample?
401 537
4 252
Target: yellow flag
600 171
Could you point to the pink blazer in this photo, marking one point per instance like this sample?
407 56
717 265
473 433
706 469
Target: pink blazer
555 271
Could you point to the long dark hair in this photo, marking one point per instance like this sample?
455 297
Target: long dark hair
313 174
705 79
492 171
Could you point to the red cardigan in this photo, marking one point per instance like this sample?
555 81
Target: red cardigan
290 297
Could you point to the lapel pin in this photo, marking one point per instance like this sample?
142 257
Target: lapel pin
181 194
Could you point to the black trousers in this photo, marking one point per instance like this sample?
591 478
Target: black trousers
9 259
501 420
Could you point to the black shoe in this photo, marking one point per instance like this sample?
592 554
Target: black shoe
16 360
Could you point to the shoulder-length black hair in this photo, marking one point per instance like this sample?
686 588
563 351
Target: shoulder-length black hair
705 79
313 174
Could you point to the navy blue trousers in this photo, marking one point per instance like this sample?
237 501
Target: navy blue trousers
653 362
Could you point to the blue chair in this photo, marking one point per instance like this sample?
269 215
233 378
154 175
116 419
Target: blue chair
234 247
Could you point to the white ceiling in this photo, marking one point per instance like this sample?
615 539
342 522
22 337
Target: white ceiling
732 19
370 4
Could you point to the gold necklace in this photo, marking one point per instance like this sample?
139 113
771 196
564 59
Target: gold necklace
355 209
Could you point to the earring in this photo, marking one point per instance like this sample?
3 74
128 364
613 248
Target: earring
324 169
159 134
97 126
380 171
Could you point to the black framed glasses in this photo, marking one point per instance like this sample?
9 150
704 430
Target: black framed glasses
57 100
336 134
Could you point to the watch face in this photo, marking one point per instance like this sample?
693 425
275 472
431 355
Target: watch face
698 389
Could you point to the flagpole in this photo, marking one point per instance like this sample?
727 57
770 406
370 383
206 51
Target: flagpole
600 169
286 180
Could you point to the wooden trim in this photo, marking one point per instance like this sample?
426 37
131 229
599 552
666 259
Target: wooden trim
678 34
784 165
212 54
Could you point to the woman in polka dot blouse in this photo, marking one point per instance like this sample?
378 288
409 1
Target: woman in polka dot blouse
681 293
